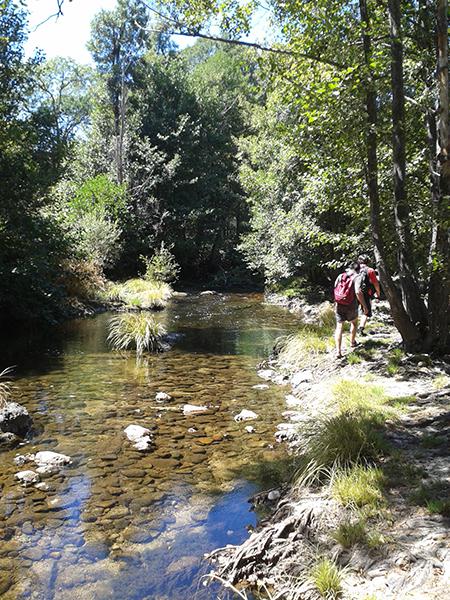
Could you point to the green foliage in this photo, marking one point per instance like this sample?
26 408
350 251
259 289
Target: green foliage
98 195
358 485
327 578
162 266
296 350
137 331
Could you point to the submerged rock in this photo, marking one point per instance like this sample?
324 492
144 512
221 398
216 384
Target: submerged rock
192 409
9 440
27 478
51 459
250 429
21 459
15 418
260 386
141 436
163 397
245 415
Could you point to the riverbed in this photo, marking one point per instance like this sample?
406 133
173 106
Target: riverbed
123 524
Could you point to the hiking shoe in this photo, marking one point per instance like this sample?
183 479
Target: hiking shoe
355 345
362 332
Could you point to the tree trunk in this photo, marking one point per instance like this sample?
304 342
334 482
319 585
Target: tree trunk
412 299
409 332
439 285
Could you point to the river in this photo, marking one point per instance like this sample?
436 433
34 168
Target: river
118 523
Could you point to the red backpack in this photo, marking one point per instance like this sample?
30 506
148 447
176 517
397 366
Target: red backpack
344 291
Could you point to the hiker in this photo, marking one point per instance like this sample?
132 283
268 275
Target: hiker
346 305
366 282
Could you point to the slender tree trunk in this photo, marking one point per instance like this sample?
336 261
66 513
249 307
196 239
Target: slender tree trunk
407 329
412 299
439 285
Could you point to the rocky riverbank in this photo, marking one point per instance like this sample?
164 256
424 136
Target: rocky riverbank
370 525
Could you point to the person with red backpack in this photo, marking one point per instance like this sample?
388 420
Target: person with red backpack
346 298
367 282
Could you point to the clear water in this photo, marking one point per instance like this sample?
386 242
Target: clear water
122 524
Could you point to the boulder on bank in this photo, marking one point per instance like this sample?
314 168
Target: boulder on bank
14 418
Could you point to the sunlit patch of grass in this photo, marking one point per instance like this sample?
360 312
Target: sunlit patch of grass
344 438
141 293
350 533
359 486
355 397
296 349
354 359
441 381
136 331
394 358
327 578
327 317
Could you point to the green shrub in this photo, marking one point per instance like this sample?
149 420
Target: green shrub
135 330
162 266
326 576
359 486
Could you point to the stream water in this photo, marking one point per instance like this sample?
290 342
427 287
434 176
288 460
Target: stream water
123 524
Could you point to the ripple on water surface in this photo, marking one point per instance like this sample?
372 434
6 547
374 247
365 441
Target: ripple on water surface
119 523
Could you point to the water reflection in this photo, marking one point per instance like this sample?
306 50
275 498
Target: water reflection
119 523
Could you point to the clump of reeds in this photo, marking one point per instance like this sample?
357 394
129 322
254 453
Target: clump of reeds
151 295
5 387
327 579
136 331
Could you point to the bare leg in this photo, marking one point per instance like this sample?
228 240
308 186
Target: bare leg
338 338
353 328
363 321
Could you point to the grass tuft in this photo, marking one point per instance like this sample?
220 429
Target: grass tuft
441 381
434 497
295 350
5 386
350 533
135 330
148 295
358 485
327 578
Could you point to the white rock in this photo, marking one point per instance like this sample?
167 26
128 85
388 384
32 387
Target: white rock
273 495
301 377
44 487
192 409
266 374
192 430
163 397
21 459
144 443
136 432
245 415
291 400
260 386
52 459
27 478
250 429
48 470
208 293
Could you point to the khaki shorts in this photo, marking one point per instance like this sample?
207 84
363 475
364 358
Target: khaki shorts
346 312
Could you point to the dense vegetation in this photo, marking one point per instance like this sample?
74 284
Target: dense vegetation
289 162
